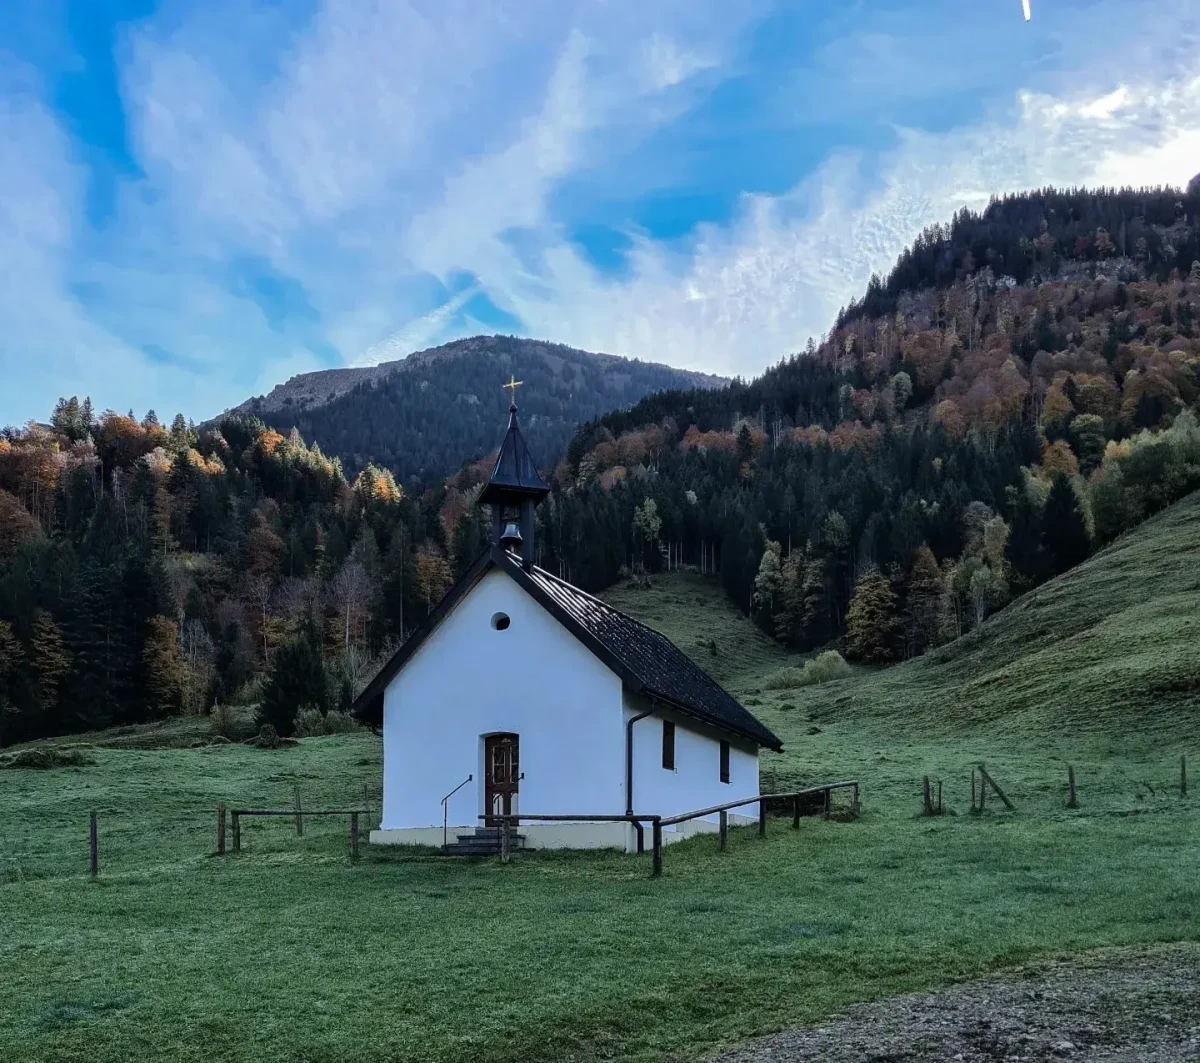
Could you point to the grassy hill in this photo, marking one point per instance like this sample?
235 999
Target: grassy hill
289 951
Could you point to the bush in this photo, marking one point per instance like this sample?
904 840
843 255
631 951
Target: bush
312 723
228 723
340 723
45 757
824 668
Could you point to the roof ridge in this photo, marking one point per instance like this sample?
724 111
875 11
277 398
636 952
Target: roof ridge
600 601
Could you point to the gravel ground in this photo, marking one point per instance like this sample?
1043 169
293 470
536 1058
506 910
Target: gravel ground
1118 1006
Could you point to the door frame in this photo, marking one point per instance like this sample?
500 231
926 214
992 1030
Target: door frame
509 789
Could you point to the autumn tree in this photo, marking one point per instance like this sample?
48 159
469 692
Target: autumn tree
647 528
768 582
433 577
871 622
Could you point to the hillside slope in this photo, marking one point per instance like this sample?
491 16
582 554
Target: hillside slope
1111 646
425 414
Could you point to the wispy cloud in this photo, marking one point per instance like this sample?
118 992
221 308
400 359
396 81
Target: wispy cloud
381 177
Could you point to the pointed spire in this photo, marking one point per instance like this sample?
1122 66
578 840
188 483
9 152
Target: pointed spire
514 476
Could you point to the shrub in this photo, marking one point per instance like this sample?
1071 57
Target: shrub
227 724
268 737
310 722
825 668
340 723
45 757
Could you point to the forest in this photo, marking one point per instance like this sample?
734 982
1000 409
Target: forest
440 407
934 456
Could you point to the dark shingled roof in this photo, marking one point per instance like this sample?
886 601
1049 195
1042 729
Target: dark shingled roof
515 471
646 661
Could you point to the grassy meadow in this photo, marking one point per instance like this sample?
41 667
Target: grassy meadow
290 952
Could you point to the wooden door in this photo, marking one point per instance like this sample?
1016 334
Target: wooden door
503 773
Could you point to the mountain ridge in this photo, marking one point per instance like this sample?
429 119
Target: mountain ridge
424 414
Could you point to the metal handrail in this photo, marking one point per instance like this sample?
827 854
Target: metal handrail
445 812
670 821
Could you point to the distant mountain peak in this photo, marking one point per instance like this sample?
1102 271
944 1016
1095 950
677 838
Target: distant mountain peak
426 413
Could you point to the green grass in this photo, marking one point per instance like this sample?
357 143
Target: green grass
290 952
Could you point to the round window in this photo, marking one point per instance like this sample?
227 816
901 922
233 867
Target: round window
500 621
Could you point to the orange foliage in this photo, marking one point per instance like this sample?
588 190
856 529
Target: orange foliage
950 416
705 441
611 477
270 441
813 436
1059 457
854 435
924 352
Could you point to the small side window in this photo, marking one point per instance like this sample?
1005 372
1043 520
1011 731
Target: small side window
500 621
724 762
668 745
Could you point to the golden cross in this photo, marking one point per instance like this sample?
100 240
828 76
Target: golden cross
511 387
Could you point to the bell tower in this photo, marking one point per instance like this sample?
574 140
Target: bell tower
514 489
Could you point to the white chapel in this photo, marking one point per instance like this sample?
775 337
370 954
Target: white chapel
523 695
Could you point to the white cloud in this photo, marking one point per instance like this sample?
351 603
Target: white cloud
391 150
752 292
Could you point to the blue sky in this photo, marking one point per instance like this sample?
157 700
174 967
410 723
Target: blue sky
200 198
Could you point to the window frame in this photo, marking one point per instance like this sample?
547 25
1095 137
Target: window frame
668 745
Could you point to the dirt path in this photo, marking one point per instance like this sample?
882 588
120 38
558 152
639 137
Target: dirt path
1120 1006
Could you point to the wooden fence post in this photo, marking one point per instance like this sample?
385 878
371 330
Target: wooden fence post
723 831
926 800
237 832
657 845
299 814
762 816
220 828
93 847
353 835
1183 775
939 804
795 813
972 789
989 781
504 826
1071 802
854 800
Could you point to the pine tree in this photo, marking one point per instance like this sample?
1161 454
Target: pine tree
297 679
1064 529
925 615
48 658
871 620
1025 554
161 668
789 617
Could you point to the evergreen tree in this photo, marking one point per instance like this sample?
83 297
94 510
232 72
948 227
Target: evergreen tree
926 605
1064 529
49 662
297 679
160 661
871 624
